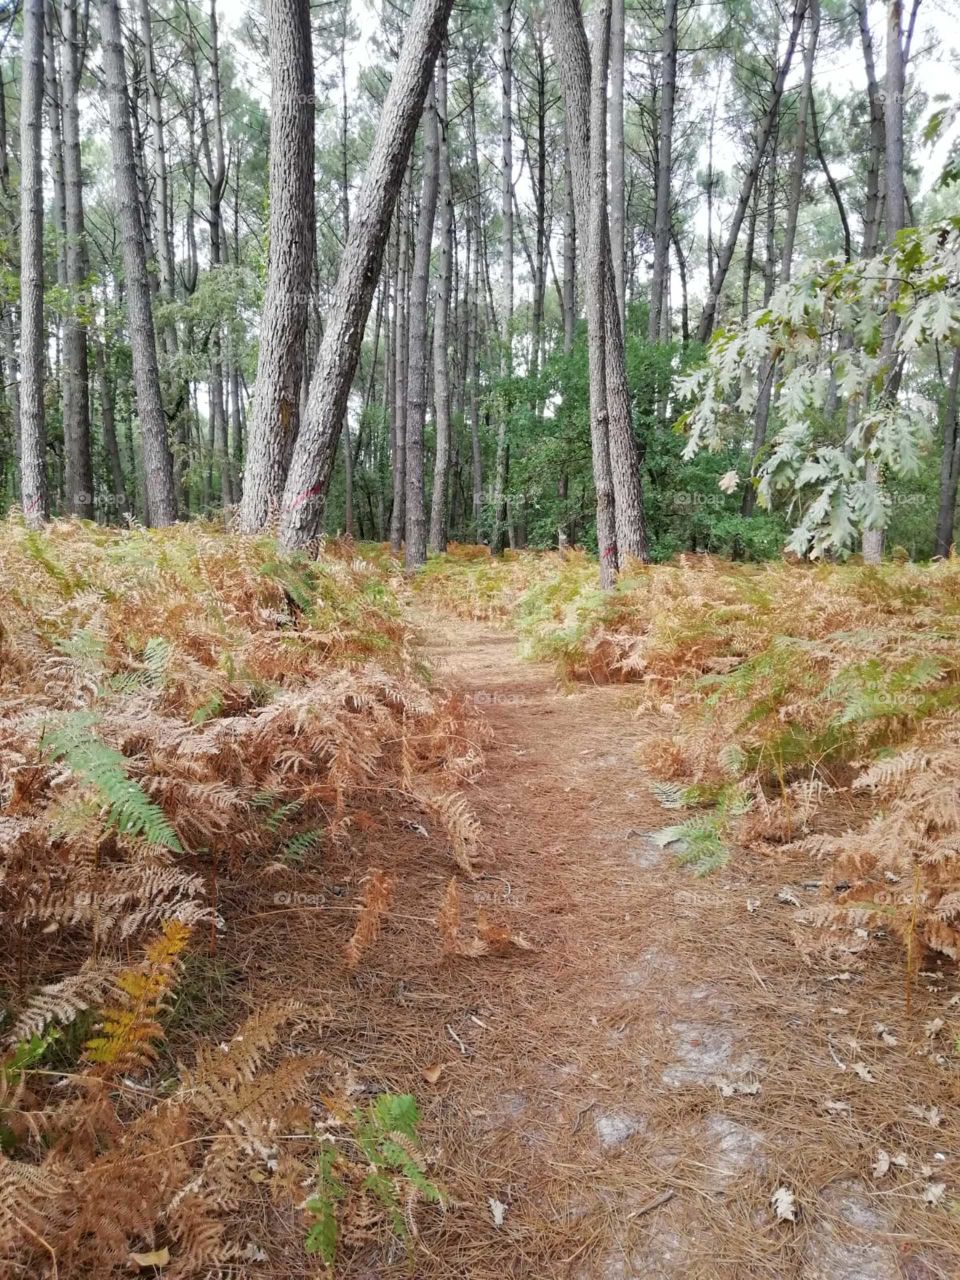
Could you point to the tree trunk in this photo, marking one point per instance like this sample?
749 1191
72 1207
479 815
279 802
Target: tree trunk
797 168
949 463
441 466
312 462
33 478
569 254
158 465
871 208
583 118
662 215
76 405
275 412
416 519
617 151
498 538
764 132
402 359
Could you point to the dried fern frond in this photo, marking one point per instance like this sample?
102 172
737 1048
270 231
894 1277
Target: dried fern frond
374 904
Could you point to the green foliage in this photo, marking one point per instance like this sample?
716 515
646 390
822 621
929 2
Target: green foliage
130 810
25 1055
379 1158
702 839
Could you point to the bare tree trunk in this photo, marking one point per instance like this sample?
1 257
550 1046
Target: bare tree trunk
797 169
76 416
569 254
949 463
441 466
402 358
498 538
662 216
896 217
274 417
158 464
416 518
871 208
33 477
312 462
753 168
573 59
617 186
119 502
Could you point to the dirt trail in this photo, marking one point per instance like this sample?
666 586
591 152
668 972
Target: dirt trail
635 1089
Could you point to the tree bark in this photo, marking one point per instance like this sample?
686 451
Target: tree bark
585 115
896 216
310 468
949 463
764 132
158 464
662 215
402 359
498 536
441 377
33 478
618 210
275 412
415 550
76 401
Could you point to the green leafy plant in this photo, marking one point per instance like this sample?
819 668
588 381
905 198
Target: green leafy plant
378 1157
130 809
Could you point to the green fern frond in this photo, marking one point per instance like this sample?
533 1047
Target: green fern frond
131 811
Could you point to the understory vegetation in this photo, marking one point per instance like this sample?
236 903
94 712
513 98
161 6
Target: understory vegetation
181 709
803 706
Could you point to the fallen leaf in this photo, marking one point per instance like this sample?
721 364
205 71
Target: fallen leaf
881 1165
837 1108
787 895
884 1034
784 1204
933 1028
158 1258
733 1088
863 1071
498 1211
933 1192
432 1073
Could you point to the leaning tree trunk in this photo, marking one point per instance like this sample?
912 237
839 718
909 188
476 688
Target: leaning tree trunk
662 214
797 169
312 462
709 313
157 462
274 416
415 540
441 364
33 478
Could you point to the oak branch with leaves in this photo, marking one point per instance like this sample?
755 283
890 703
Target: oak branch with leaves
822 338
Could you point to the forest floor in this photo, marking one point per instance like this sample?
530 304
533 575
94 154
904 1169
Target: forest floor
625 1098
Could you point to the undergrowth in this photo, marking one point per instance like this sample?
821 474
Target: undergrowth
178 706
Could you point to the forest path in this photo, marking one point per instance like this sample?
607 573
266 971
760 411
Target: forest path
634 1089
